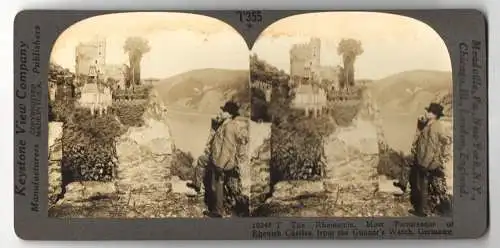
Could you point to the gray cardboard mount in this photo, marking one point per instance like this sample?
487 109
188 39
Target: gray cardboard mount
465 35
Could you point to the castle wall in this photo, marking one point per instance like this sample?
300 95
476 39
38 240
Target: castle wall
96 98
116 72
305 59
90 53
305 65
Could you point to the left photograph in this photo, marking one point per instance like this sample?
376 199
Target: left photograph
140 107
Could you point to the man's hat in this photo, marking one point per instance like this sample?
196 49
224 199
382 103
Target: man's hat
436 109
230 107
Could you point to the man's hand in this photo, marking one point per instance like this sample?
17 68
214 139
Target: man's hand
215 124
421 122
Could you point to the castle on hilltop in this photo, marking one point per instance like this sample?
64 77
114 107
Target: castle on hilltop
92 72
90 61
309 78
306 67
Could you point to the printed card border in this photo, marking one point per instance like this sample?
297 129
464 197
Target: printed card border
465 34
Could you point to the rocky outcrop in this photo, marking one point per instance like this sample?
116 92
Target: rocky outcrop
352 152
142 186
350 179
55 156
144 157
260 150
81 193
260 171
448 167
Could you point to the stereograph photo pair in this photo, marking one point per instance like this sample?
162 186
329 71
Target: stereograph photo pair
250 124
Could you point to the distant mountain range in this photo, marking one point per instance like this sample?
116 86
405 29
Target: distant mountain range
203 90
402 97
411 91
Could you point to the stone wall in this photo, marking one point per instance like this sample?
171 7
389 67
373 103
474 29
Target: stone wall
55 156
260 175
352 155
353 151
144 155
96 98
448 130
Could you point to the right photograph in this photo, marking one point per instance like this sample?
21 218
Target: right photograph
351 117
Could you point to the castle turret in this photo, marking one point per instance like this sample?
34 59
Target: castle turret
315 58
305 61
90 54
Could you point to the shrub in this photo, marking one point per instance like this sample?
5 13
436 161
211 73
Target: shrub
130 113
344 112
297 147
89 151
260 107
297 142
182 164
392 163
60 110
138 92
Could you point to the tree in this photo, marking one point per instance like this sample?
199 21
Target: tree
136 47
127 76
349 49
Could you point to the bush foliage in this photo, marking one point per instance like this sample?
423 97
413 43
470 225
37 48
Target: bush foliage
344 113
89 146
297 147
130 113
182 164
392 163
135 93
260 107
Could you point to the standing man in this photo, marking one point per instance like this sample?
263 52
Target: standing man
430 190
227 150
201 179
407 175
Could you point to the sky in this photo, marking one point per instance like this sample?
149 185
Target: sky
182 42
179 42
391 43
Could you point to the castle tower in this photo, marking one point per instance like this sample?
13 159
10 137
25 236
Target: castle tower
89 54
305 61
315 58
101 53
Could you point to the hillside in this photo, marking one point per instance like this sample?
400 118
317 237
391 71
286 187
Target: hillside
409 92
402 97
203 90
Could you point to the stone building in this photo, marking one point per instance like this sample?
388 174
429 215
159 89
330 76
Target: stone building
92 72
52 90
310 98
89 55
92 55
94 94
305 61
305 64
307 76
330 74
116 73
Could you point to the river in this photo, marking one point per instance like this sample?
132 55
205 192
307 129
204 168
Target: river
189 129
399 129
